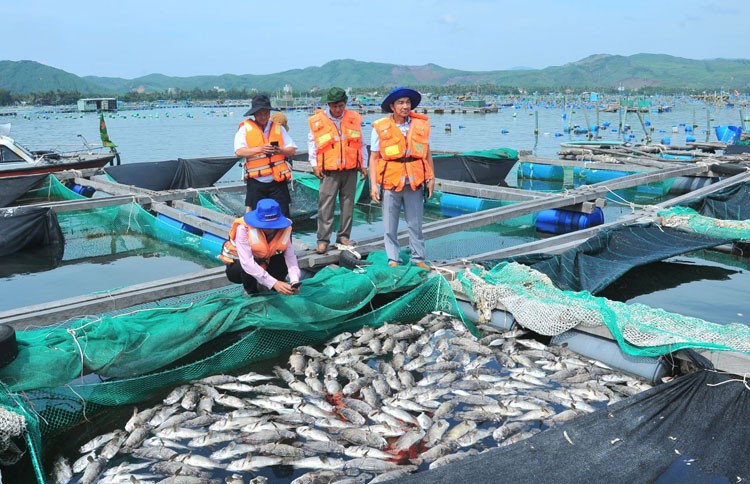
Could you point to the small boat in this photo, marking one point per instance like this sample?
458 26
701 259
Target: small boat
16 160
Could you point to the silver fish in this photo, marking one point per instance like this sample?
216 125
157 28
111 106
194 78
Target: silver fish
176 395
93 469
253 377
190 400
409 439
217 379
319 462
98 441
61 471
200 461
232 450
370 464
212 438
254 462
360 437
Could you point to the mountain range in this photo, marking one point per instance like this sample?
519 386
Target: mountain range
601 71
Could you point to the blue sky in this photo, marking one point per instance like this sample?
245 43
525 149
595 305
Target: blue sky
135 37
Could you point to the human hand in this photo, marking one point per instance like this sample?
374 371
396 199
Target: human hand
318 173
430 187
283 288
375 194
364 174
270 149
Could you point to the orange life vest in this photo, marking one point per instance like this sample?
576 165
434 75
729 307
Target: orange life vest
275 165
403 158
262 249
337 151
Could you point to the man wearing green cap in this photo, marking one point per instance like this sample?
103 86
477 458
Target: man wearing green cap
337 155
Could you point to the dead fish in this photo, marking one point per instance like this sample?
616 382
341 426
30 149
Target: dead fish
62 473
253 377
217 379
297 362
360 437
370 464
232 450
319 462
409 439
253 462
282 450
93 469
451 458
97 441
176 395
199 461
355 451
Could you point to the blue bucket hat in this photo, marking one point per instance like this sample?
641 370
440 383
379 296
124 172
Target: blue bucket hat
267 215
398 93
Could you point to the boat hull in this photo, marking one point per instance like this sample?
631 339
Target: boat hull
52 166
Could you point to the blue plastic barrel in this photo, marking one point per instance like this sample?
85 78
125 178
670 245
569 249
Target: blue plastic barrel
558 221
177 224
538 171
587 176
454 205
213 243
666 141
690 139
82 190
728 134
665 156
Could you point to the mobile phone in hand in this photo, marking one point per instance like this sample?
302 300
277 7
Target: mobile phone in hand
296 285
275 143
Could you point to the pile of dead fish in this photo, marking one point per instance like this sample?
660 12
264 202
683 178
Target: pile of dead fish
368 407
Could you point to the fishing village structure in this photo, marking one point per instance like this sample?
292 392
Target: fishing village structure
404 371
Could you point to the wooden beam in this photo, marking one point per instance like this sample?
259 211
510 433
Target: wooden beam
486 191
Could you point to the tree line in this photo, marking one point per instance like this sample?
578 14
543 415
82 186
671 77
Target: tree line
59 97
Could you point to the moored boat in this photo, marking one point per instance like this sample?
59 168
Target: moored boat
16 160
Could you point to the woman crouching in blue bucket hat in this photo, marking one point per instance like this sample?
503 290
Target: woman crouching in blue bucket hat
259 250
401 171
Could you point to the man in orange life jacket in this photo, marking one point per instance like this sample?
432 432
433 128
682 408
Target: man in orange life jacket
265 145
337 155
259 250
401 166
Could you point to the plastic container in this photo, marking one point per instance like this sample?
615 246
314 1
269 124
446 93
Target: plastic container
587 176
453 205
666 141
177 224
82 190
212 242
538 171
728 134
558 221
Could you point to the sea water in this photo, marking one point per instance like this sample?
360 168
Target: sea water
161 134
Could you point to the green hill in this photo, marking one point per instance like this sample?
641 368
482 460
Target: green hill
601 71
29 76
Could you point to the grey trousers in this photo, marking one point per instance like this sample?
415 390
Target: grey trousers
344 184
413 202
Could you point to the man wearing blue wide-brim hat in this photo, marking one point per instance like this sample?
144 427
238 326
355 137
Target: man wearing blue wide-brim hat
259 250
401 170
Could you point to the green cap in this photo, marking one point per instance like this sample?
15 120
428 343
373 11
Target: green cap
334 95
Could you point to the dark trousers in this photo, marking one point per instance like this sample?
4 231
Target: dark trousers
278 191
276 267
